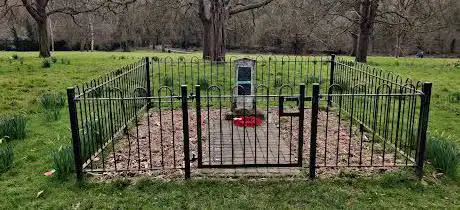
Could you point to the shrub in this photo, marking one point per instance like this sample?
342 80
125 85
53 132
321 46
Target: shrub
6 156
454 97
122 57
181 58
52 103
46 63
168 81
63 161
53 59
443 154
15 57
204 83
14 127
278 83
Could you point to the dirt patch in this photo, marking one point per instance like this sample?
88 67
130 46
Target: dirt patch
155 145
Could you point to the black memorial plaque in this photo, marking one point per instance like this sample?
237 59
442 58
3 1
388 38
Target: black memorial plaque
244 89
244 74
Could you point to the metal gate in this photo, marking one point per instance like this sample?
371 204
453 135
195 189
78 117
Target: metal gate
269 136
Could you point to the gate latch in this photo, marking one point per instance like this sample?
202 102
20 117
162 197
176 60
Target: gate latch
281 101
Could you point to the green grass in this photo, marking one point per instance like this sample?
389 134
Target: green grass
63 162
13 127
444 75
443 154
6 156
22 82
52 103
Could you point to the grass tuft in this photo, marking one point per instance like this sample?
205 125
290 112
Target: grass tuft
454 97
53 59
144 183
312 79
65 61
278 83
168 82
6 156
46 63
443 154
204 83
51 104
63 162
14 127
121 183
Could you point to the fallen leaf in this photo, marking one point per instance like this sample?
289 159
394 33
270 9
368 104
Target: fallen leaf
40 193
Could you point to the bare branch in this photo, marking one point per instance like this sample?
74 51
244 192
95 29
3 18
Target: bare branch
32 11
249 7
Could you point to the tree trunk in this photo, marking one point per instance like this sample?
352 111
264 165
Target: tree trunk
91 31
398 46
213 17
368 11
363 46
354 42
452 46
207 39
43 38
51 35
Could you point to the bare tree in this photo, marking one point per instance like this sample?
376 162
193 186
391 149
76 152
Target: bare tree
367 13
41 10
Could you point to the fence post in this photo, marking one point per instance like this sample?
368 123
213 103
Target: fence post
301 123
147 77
314 129
331 78
423 128
185 130
75 133
198 122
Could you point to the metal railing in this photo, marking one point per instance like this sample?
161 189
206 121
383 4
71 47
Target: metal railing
141 118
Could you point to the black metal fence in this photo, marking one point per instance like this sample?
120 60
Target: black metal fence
378 119
164 114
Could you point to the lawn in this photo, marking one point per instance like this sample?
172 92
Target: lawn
22 82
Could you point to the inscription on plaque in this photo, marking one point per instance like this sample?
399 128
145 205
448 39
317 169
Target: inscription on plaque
245 82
